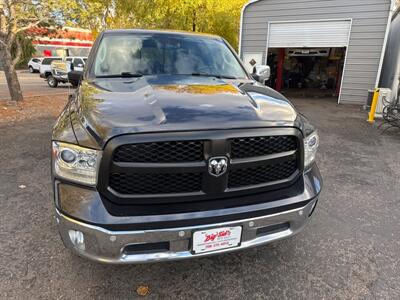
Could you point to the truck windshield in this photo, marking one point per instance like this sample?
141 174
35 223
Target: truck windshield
153 54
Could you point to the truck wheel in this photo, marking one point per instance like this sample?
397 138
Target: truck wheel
31 70
52 82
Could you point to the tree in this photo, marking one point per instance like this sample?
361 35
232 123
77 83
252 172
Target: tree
89 14
17 16
210 16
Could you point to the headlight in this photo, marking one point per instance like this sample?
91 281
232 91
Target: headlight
76 163
311 144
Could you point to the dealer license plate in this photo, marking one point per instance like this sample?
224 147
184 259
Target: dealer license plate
216 239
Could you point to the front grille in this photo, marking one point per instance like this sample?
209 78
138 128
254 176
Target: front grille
155 183
176 170
262 174
160 152
261 145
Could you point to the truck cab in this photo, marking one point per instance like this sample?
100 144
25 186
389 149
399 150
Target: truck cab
78 63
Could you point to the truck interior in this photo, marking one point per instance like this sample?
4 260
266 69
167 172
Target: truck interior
307 72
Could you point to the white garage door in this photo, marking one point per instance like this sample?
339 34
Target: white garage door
329 33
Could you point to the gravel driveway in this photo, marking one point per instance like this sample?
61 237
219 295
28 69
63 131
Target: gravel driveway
350 250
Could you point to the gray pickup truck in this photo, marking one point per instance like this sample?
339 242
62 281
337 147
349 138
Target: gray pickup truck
169 149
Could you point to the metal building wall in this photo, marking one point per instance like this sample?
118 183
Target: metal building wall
369 24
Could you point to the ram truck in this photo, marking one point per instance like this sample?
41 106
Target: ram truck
169 149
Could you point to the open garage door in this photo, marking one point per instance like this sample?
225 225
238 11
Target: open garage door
308 57
309 34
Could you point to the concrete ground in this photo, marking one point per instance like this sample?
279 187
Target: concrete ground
350 250
31 85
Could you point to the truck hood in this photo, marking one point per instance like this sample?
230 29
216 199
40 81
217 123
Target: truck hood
111 107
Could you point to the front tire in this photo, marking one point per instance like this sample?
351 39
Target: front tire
52 82
31 70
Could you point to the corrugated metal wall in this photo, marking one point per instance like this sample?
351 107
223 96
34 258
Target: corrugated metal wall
366 40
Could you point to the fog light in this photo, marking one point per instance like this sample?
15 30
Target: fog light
77 239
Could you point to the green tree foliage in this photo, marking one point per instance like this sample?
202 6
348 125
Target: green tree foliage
219 17
27 49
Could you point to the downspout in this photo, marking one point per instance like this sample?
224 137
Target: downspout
391 12
396 80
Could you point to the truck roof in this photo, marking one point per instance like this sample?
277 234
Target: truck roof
166 32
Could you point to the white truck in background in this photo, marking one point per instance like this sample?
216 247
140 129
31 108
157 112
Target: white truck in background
55 69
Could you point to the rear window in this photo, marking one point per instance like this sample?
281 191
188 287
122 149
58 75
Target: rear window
48 60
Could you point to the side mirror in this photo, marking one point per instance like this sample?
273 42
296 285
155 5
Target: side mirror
262 73
71 66
75 77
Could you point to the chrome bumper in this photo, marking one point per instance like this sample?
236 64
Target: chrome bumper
107 246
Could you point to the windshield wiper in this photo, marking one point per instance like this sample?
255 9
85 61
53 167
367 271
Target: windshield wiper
121 75
220 76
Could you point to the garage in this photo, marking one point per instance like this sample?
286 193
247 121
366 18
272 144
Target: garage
319 49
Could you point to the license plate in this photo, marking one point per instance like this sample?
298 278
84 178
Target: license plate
216 239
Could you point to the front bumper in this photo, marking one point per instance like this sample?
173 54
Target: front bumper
107 246
61 76
106 236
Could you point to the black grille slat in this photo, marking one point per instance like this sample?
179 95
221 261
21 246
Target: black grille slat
160 152
261 174
261 145
155 183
